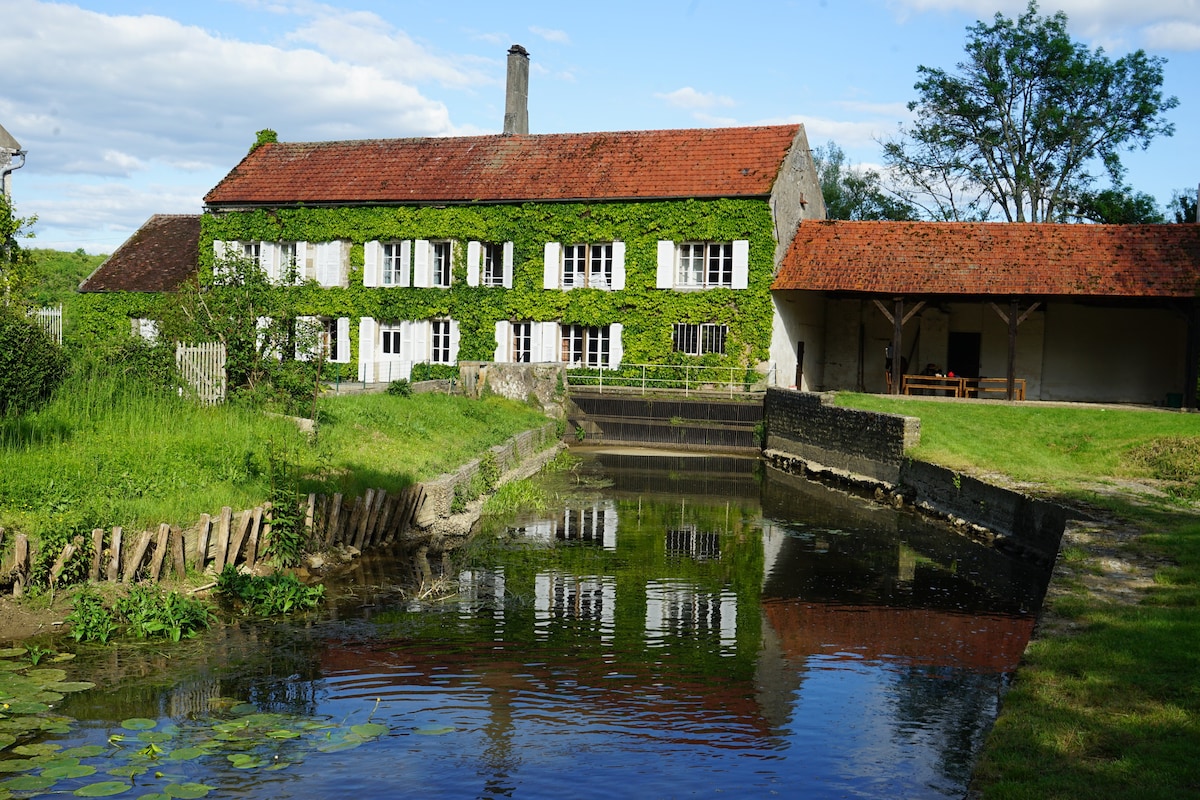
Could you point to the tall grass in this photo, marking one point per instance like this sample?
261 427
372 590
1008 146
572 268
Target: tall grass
108 451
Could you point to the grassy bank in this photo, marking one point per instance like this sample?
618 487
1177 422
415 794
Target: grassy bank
107 453
1108 703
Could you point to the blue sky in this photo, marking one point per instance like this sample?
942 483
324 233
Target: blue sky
131 108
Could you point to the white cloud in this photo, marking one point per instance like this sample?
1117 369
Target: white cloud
1115 24
550 35
689 98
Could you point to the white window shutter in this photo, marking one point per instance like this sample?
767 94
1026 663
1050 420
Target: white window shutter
549 342
552 266
503 329
666 265
366 349
421 263
615 349
508 266
455 338
343 340
342 263
406 250
372 263
222 251
741 263
618 273
474 256
420 342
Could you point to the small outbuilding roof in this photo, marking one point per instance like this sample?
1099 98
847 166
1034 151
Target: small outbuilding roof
955 258
641 165
160 255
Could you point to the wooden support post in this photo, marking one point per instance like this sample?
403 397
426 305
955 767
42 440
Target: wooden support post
360 531
387 507
333 523
97 554
138 555
310 521
203 532
263 545
260 517
160 551
321 539
352 527
113 573
239 535
178 552
1013 310
21 567
60 563
224 523
1191 372
375 505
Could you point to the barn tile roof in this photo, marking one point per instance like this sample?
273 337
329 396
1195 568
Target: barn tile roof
160 255
706 162
955 258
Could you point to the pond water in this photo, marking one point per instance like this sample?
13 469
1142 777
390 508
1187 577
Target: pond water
681 627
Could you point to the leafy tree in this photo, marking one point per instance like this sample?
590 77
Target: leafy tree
1117 206
1183 204
1027 122
31 364
16 265
854 193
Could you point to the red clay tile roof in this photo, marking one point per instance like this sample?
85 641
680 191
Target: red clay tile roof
957 258
160 255
707 162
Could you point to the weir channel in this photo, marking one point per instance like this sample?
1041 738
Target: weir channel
673 624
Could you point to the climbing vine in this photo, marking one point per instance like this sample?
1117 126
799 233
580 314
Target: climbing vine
647 313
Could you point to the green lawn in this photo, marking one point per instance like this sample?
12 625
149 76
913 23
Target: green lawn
1111 709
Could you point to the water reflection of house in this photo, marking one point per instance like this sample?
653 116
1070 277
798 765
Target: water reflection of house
595 524
675 609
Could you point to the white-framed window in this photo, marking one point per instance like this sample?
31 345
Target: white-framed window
576 266
439 341
525 342
145 328
440 264
522 343
328 335
592 346
291 262
697 340
703 265
490 264
395 264
387 350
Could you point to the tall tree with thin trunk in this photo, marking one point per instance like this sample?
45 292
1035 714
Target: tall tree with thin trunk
1027 123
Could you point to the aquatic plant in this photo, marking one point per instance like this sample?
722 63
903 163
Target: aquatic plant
267 595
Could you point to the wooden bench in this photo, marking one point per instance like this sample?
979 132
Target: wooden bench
940 385
996 388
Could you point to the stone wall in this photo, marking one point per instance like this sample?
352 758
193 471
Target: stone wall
842 440
805 435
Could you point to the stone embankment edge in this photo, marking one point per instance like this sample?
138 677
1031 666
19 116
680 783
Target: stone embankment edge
864 449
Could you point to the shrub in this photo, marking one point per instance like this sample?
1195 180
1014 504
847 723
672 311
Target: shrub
267 596
150 613
31 364
400 388
90 619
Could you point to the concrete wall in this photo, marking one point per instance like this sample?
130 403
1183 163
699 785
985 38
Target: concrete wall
796 194
798 317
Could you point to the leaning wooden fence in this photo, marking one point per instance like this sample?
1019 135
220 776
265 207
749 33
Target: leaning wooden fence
370 520
203 368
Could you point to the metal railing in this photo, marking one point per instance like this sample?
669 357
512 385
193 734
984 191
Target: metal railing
682 378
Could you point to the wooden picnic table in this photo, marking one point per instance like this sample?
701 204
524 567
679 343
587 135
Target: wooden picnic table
955 386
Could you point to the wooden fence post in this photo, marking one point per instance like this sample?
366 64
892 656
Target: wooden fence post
21 568
160 551
202 535
97 554
178 552
223 525
114 557
139 555
333 521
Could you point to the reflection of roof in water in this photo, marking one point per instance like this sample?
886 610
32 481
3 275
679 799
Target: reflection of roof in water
917 636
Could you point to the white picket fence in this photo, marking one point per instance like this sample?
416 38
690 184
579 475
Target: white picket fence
203 368
51 321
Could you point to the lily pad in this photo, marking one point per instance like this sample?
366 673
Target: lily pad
13 652
283 733
187 790
369 730
18 765
43 749
27 783
61 657
103 789
85 751
435 731
71 686
69 771
129 771
336 747
47 675
245 761
155 737
25 707
138 724
187 753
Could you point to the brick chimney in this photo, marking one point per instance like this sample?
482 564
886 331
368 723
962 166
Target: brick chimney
516 95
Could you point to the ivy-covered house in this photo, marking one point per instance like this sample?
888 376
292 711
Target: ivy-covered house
590 249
